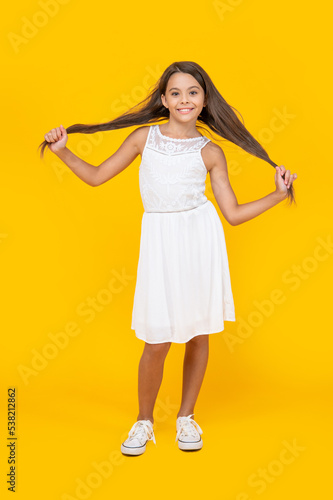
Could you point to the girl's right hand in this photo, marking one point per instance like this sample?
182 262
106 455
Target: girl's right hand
57 138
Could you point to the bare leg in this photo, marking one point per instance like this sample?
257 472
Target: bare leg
150 377
195 364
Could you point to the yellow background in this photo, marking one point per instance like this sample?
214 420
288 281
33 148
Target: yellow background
62 241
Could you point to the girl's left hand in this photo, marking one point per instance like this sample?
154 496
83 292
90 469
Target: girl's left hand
282 185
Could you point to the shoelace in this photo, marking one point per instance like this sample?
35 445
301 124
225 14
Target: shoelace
188 426
141 430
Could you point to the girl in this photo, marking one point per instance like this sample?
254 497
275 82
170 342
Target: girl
183 290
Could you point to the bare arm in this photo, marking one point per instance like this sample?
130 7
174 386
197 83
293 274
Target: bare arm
234 212
116 163
250 210
85 171
123 157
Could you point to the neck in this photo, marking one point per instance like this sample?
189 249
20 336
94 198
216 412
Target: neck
178 130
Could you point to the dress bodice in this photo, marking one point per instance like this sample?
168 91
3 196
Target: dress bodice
172 173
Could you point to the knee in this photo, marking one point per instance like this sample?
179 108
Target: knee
160 350
198 341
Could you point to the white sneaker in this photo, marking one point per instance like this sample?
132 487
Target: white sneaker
188 434
140 433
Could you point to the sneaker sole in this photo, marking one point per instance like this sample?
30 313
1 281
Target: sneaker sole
127 450
182 445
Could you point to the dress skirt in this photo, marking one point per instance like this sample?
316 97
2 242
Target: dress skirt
183 286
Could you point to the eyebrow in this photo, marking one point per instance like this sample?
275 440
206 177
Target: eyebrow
193 86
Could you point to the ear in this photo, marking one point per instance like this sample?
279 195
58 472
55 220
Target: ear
163 101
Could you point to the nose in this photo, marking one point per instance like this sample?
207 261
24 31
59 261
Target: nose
184 99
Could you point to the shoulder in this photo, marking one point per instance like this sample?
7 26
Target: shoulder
213 156
139 137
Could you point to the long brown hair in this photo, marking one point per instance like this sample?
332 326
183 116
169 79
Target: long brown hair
218 115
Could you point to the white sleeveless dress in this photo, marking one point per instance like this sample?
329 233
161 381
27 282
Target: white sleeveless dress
183 286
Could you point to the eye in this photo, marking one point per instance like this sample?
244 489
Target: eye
173 93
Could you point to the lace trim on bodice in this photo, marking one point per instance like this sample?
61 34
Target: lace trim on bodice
169 146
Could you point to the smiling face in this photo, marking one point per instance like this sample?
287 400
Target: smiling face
184 97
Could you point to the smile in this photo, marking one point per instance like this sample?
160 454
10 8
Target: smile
185 111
